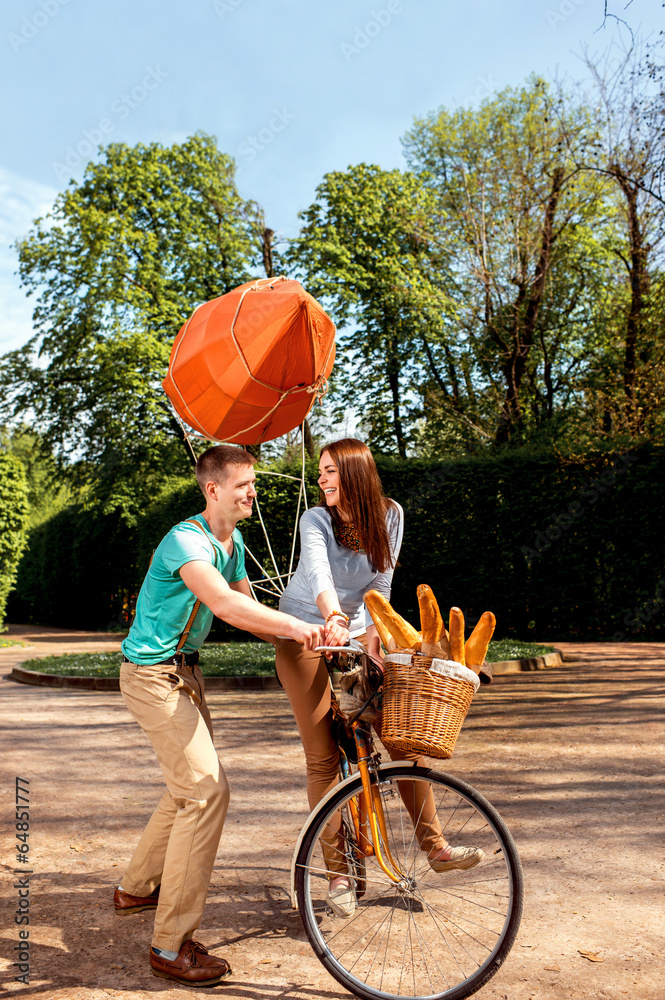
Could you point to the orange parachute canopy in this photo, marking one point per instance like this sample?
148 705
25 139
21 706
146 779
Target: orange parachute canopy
248 366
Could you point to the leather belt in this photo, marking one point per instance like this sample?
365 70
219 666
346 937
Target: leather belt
177 660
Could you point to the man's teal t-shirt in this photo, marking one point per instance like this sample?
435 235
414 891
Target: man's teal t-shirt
164 603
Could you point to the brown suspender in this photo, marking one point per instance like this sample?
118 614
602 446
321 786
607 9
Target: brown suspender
197 605
188 626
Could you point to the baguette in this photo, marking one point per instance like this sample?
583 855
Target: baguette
405 635
431 623
430 616
384 634
477 643
456 635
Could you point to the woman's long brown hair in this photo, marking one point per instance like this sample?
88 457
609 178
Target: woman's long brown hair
361 497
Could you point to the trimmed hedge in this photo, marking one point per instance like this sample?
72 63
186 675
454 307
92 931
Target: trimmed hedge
556 548
78 572
14 510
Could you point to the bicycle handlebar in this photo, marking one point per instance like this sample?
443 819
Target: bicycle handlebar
345 650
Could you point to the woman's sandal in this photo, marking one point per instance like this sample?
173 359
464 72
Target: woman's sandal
460 857
342 899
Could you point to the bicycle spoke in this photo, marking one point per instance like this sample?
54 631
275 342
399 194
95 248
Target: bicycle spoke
447 915
425 945
385 923
426 933
446 937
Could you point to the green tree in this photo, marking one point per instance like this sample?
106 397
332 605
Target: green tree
364 248
626 89
14 510
117 266
524 227
48 488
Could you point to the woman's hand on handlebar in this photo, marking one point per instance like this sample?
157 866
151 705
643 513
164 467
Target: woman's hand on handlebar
336 633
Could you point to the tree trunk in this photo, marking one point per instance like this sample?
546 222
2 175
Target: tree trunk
392 364
524 328
454 400
179 433
638 287
266 251
309 439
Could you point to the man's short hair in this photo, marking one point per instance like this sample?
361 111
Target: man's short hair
216 463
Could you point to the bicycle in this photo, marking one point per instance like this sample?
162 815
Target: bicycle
414 933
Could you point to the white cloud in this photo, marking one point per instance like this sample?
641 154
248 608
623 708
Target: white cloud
21 202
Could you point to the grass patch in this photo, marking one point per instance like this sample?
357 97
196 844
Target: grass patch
77 664
11 642
238 659
227 659
234 659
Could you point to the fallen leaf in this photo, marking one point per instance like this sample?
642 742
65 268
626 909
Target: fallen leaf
591 955
552 968
75 847
117 966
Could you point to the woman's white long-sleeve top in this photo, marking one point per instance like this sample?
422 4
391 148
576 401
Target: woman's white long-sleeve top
326 565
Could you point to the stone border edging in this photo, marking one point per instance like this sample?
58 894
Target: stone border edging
81 683
554 659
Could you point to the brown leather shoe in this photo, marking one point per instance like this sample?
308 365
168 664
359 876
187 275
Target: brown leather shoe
193 966
123 903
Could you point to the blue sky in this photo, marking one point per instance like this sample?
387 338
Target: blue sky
290 88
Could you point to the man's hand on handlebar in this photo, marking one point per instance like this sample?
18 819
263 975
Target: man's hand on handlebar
310 636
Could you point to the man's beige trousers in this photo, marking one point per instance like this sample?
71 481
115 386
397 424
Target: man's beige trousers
178 847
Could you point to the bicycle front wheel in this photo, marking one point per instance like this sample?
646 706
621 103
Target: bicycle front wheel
431 935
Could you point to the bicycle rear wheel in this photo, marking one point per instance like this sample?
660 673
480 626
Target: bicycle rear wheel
434 935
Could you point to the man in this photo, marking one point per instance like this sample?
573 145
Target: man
162 685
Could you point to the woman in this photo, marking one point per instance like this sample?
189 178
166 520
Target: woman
349 545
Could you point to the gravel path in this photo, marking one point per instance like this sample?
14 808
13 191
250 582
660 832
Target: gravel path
571 756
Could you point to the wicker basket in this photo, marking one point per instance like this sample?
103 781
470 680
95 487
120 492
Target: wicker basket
425 702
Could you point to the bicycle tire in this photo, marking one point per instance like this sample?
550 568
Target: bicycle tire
462 924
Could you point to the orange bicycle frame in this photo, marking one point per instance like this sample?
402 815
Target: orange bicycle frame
370 811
